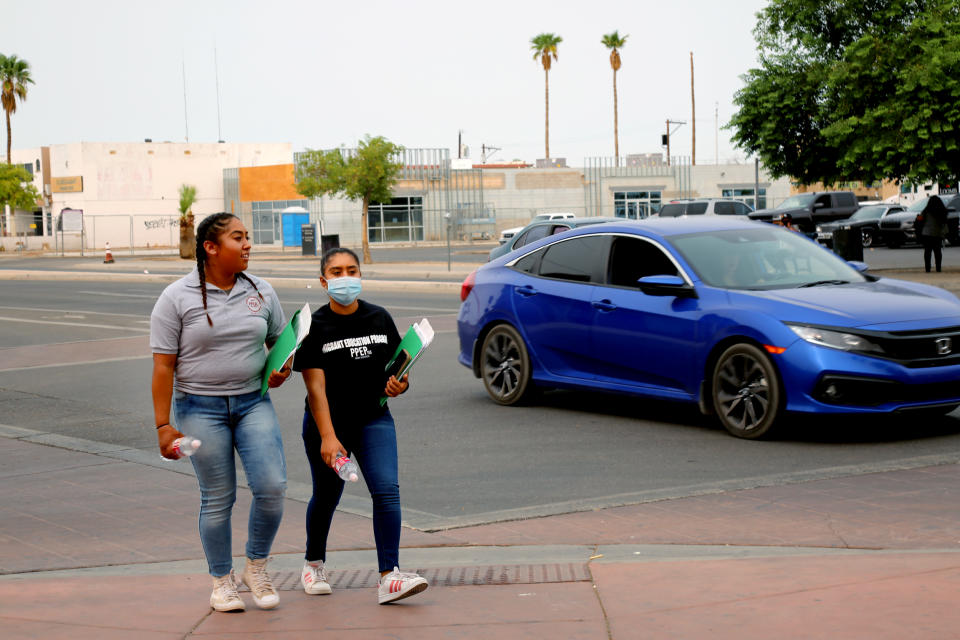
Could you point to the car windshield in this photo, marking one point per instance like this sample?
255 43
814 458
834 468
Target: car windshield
797 201
918 205
755 259
869 213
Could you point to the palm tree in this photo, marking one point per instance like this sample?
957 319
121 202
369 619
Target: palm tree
545 49
188 238
14 78
615 42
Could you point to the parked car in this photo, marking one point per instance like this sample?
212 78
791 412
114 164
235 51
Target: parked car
897 229
866 222
746 320
703 206
810 209
541 229
506 234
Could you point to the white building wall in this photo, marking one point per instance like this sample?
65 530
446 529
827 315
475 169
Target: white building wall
131 190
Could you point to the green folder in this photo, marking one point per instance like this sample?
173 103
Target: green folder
286 344
414 342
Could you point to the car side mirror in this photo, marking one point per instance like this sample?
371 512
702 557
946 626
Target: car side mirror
818 205
859 266
666 286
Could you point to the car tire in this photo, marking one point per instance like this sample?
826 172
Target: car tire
746 391
866 238
505 366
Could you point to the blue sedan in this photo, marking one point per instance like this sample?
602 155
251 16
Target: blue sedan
748 320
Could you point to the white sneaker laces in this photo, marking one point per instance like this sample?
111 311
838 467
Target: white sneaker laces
226 588
261 580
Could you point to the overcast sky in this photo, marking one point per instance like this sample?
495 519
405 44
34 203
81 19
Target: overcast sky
320 74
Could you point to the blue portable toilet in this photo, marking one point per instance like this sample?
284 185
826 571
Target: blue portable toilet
291 219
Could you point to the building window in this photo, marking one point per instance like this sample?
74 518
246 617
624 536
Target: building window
268 221
635 205
746 195
400 220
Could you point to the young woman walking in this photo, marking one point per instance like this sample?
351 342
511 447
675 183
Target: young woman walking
343 361
207 334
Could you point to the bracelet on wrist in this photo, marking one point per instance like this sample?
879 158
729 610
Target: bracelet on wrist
165 424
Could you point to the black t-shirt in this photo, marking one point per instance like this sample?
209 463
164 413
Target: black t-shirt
353 351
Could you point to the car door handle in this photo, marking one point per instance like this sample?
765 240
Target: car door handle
604 305
526 291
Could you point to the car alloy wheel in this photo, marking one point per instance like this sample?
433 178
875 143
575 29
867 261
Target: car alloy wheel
866 237
746 391
505 365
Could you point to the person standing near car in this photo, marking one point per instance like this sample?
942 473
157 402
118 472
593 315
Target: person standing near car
207 333
343 361
931 229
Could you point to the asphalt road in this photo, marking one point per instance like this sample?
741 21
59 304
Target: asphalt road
74 361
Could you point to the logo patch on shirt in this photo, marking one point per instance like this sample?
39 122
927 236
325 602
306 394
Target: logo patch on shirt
254 304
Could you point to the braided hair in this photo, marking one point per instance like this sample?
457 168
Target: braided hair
211 228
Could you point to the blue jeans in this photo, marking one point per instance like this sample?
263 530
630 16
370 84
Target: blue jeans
248 424
374 448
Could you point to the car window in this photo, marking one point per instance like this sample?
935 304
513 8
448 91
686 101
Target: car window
529 262
741 208
761 258
672 210
823 200
723 208
559 228
579 259
846 200
633 258
696 208
532 234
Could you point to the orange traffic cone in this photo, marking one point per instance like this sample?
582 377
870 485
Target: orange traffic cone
108 257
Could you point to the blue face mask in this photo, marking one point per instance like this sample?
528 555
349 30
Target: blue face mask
344 289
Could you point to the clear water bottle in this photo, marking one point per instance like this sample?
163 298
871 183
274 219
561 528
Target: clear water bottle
183 447
346 468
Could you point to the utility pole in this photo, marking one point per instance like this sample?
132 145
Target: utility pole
716 133
666 137
693 116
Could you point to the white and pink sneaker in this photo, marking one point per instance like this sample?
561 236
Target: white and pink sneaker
397 586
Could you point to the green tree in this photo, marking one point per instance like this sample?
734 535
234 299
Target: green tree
545 50
367 173
14 78
615 42
188 237
16 188
854 89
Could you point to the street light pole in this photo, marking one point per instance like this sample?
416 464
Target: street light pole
447 217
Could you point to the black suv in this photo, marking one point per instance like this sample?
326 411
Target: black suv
897 228
810 209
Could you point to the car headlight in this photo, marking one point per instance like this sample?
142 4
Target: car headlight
835 339
906 224
819 229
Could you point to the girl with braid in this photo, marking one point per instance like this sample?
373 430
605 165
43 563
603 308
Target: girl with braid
207 334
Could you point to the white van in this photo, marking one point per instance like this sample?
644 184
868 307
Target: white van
506 234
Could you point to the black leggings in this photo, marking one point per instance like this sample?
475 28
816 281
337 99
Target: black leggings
931 244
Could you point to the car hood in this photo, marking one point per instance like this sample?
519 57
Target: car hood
863 304
831 226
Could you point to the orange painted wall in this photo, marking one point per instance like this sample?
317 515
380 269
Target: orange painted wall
273 182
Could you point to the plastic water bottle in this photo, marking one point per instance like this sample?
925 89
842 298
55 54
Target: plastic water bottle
183 447
346 468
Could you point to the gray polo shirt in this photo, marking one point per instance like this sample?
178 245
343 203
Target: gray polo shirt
227 358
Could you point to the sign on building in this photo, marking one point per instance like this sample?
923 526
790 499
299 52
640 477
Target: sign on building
70 184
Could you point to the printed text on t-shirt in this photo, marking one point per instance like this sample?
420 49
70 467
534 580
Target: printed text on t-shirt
357 346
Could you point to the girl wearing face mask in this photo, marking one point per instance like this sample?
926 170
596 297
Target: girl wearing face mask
342 361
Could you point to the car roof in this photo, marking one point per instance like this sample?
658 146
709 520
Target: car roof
677 226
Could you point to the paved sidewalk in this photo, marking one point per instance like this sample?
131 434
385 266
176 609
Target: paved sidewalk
100 542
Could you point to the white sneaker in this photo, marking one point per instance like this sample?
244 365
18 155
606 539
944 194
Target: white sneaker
314 579
256 577
225 596
397 586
